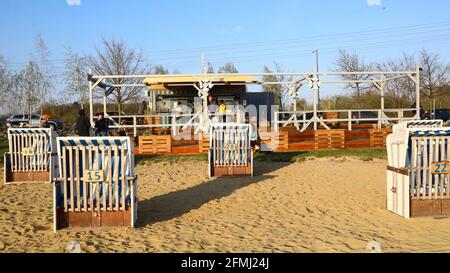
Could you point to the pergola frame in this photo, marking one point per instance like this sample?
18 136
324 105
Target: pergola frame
205 82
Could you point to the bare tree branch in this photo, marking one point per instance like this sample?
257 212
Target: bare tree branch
347 62
74 76
115 58
435 74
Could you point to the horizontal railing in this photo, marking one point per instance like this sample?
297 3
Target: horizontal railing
299 118
173 121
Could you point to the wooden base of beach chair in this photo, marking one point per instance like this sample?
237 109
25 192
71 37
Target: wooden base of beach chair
27 177
24 177
96 186
232 171
93 219
428 208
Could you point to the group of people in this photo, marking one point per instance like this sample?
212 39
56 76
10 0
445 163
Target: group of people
83 125
222 107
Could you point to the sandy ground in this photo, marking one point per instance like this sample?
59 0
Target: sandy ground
320 205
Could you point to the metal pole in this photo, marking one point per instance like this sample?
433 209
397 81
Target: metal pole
317 71
383 84
104 103
418 91
91 103
315 89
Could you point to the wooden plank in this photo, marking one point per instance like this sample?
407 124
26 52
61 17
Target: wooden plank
72 204
38 147
64 173
103 183
90 167
124 161
447 178
418 169
12 151
25 145
428 157
46 143
85 185
442 177
110 179
31 157
437 178
77 177
155 144
97 184
425 169
116 178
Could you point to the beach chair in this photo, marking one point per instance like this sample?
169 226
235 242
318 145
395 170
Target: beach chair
31 157
96 185
230 152
418 180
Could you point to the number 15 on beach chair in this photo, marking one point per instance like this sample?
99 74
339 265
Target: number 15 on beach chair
230 152
31 157
96 185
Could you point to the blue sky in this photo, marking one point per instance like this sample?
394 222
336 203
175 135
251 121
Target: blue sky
249 33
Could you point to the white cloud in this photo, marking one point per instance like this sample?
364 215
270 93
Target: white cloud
73 2
235 29
374 2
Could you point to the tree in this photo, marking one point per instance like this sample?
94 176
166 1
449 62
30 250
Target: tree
115 58
5 82
31 85
280 91
434 74
228 68
347 62
160 70
75 76
401 91
210 69
45 67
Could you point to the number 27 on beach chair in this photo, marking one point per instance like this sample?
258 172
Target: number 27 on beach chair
31 157
96 185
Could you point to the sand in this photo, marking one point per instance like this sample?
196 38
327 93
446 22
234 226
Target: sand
318 205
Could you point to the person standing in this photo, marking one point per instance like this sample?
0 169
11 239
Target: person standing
82 124
223 111
101 125
141 111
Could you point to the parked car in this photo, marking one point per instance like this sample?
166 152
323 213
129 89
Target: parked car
2 128
34 122
443 114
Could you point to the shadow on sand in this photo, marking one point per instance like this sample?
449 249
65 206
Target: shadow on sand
175 204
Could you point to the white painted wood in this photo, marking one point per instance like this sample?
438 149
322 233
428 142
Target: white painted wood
102 195
229 146
429 144
32 150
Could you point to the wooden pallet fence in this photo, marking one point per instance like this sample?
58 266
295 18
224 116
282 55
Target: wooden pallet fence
203 143
274 141
377 137
153 120
331 116
155 144
329 139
